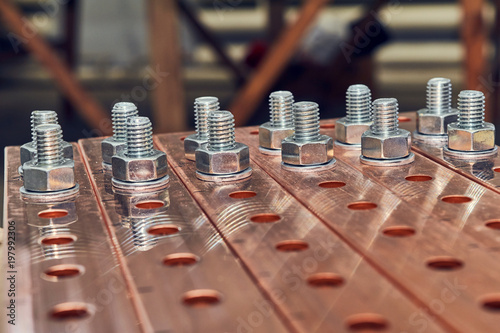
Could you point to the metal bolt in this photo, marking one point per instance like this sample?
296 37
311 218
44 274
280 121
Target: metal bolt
280 126
385 143
118 142
307 147
358 119
471 109
202 107
222 158
48 142
139 162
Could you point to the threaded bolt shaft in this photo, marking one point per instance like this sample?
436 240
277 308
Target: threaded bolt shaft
202 107
358 104
48 142
439 95
40 117
470 109
220 131
139 137
120 113
281 109
306 119
385 116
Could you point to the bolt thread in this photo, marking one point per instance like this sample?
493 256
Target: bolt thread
220 131
439 95
202 107
306 119
139 137
358 104
281 109
120 113
40 117
48 142
385 116
471 109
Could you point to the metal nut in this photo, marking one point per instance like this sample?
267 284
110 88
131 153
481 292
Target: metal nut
191 143
223 162
350 133
478 139
42 178
396 145
140 169
271 137
309 153
111 147
28 151
435 124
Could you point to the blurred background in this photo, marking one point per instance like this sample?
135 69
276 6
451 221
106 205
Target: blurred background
81 57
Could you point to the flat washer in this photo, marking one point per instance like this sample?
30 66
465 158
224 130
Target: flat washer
388 163
469 155
225 177
309 168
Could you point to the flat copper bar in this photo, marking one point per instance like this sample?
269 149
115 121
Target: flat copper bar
421 255
67 278
183 274
319 283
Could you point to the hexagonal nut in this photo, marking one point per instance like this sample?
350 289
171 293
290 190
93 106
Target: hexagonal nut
28 151
270 137
386 147
110 147
311 153
478 139
350 133
191 143
42 178
223 162
142 169
435 124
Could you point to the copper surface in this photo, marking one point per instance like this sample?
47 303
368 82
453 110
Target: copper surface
184 275
318 282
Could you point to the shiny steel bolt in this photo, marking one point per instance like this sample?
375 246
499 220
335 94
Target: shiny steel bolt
358 119
307 147
202 107
222 158
385 143
139 162
118 142
280 126
434 119
471 133
49 171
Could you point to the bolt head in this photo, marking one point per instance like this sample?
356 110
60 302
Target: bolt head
435 124
139 169
191 143
311 153
478 139
350 133
270 137
385 147
111 147
223 162
28 151
41 178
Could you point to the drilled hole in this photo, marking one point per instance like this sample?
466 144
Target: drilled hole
152 204
456 199
366 322
58 240
399 231
493 224
202 298
491 302
182 138
265 218
404 119
363 205
58 272
327 126
325 280
242 194
163 230
418 178
254 132
292 246
496 169
445 263
331 184
53 213
70 311
180 259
